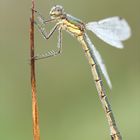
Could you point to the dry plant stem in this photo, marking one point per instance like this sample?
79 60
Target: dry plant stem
36 131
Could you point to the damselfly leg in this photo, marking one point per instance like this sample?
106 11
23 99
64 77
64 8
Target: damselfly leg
52 52
41 28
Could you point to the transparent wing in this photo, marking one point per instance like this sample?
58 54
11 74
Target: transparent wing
112 30
99 61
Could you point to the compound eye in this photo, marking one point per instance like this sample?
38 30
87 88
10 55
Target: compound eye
58 10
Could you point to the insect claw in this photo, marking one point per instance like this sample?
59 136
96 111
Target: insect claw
34 10
35 22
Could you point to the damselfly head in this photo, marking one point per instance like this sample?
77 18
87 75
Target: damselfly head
56 11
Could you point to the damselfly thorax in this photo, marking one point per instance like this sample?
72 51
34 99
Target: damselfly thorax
75 29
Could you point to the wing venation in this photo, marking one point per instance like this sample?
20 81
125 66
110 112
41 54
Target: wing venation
112 30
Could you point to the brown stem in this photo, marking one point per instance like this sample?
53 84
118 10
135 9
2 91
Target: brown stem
36 131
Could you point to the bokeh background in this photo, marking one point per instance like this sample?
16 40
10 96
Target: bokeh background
69 107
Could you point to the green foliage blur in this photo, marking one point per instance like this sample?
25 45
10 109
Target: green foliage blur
69 107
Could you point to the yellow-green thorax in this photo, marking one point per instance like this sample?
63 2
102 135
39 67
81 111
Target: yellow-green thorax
73 25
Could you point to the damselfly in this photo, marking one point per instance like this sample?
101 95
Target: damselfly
112 30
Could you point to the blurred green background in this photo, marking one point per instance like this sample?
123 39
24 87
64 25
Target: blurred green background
69 106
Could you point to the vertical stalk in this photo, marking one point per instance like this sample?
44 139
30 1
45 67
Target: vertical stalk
36 131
